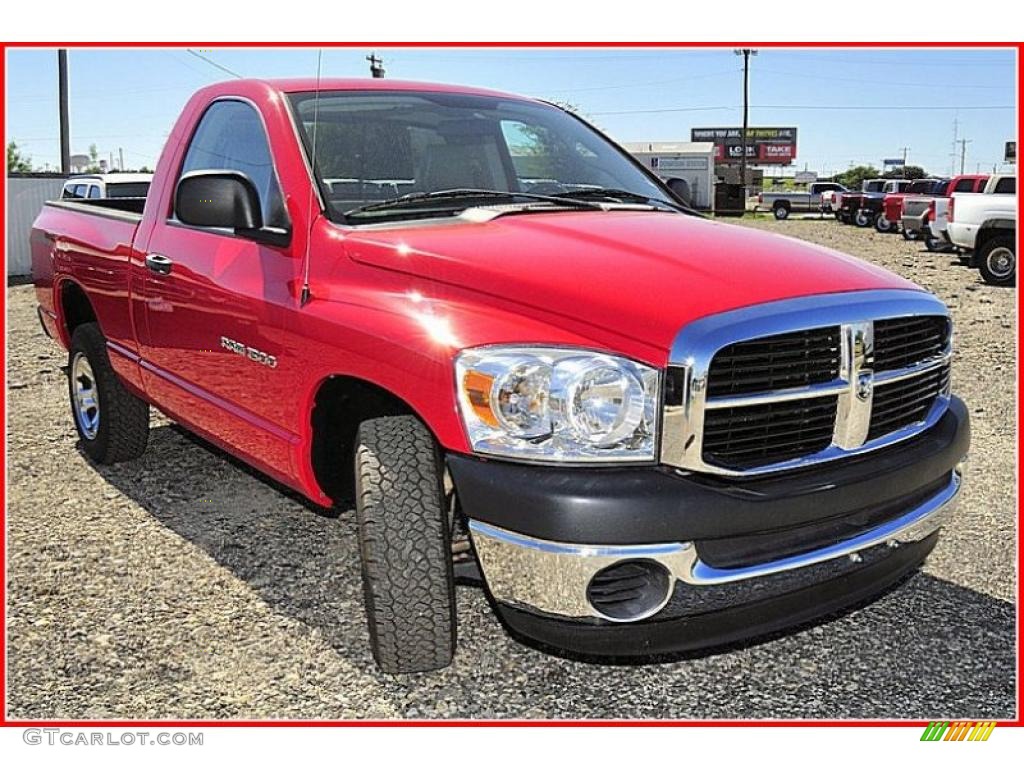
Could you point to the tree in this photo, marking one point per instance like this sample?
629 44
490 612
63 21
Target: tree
852 178
16 161
94 160
907 172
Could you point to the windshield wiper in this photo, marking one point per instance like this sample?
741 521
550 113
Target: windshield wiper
618 195
413 199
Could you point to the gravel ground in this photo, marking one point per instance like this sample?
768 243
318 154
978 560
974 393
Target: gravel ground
182 585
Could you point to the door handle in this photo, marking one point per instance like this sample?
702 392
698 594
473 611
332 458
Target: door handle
159 264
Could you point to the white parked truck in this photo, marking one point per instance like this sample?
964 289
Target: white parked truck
781 204
103 186
984 225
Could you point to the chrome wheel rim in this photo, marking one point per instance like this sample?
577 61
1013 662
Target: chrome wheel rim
85 397
1001 262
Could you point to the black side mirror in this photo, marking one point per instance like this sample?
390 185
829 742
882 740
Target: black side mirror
226 199
681 189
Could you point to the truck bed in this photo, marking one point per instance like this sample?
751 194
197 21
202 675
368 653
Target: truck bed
91 242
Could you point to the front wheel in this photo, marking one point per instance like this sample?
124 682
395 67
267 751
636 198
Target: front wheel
405 543
934 244
112 423
997 261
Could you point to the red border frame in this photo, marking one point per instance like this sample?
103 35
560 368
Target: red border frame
5 722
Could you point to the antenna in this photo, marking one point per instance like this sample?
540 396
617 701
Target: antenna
304 296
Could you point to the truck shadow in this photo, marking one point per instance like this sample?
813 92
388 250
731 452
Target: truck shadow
929 635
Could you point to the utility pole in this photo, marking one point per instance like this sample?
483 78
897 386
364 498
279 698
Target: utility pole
904 169
746 53
963 152
62 88
376 65
120 158
952 157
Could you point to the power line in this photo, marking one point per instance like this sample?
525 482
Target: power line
801 106
646 83
213 63
885 82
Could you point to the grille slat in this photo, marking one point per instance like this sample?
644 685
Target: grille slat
906 402
750 436
814 420
776 362
901 342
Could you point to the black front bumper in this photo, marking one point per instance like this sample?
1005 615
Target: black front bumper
733 522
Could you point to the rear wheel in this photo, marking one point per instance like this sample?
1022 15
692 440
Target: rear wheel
882 224
112 423
910 234
933 244
863 219
997 261
405 543
781 211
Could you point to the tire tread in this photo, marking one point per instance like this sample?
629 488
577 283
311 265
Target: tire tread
404 542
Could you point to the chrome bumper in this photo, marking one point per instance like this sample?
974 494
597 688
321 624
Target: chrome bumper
552 577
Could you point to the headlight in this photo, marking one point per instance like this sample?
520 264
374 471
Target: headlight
551 404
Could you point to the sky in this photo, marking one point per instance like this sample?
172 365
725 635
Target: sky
851 107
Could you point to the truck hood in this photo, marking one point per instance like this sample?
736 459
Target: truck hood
638 274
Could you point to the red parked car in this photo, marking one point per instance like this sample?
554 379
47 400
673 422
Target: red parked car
524 358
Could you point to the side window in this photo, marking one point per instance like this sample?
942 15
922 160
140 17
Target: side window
1006 186
964 185
69 191
94 192
230 136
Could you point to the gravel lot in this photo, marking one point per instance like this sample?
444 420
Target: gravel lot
182 585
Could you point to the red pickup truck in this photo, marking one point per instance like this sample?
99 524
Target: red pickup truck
526 360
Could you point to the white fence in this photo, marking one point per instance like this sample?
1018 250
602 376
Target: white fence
25 198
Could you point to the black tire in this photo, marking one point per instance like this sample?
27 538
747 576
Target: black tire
780 211
405 543
997 260
882 224
121 428
910 234
863 219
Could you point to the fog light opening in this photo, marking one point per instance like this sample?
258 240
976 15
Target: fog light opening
630 590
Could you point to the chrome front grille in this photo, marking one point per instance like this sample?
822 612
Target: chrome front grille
783 385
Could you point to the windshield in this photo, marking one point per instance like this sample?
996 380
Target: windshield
376 147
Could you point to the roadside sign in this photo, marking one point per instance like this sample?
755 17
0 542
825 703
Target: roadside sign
806 177
776 146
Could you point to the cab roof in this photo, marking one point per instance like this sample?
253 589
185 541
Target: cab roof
306 84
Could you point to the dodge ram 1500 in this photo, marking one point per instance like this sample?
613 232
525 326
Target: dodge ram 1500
522 356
